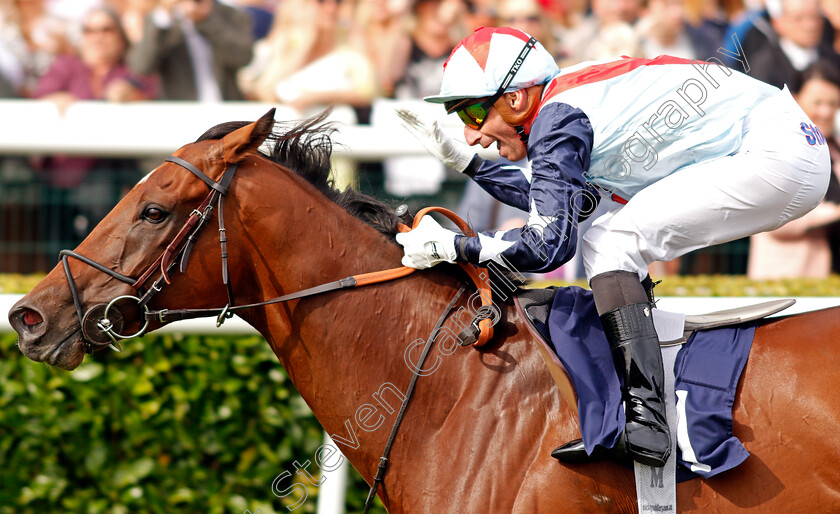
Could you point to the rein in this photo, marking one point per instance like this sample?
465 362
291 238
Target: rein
106 318
484 327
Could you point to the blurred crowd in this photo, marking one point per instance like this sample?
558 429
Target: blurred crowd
316 52
312 53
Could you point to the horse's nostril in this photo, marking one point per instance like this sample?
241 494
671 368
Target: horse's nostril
28 323
31 318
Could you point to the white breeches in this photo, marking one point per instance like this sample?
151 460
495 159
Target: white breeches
774 177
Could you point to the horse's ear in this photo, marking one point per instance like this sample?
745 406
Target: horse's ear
247 139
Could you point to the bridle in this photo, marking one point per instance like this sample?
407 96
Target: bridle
102 323
107 320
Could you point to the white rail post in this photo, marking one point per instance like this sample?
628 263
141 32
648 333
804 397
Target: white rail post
331 495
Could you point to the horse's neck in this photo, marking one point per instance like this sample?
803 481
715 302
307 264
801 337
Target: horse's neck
350 353
339 347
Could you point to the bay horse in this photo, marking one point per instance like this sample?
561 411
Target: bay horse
478 432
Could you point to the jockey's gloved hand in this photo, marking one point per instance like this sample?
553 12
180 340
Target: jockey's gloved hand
427 245
453 153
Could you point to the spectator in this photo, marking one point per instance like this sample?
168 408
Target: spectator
386 38
605 34
737 31
97 73
664 31
785 41
431 41
480 13
313 56
29 41
419 67
713 17
134 13
196 47
527 16
262 15
801 248
830 43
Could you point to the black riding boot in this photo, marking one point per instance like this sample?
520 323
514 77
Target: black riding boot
638 358
624 308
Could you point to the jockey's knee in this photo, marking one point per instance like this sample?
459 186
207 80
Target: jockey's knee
603 250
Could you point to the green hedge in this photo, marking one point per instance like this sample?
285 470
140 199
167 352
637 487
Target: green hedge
171 424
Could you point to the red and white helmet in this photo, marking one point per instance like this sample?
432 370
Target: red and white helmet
482 60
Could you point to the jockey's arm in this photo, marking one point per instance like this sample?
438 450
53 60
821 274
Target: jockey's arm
503 180
559 150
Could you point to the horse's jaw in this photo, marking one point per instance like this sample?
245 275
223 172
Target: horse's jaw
56 340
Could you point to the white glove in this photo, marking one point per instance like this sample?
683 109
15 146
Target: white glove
448 150
427 245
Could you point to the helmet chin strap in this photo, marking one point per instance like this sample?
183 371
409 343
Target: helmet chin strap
523 134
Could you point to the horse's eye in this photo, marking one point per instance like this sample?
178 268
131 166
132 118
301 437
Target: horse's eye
154 214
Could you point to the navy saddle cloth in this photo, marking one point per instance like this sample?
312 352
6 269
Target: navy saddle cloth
707 370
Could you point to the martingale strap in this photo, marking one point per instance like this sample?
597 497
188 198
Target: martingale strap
383 461
181 245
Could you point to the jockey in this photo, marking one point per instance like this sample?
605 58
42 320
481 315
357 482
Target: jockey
694 153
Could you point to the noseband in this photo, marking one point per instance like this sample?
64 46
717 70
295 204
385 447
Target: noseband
96 323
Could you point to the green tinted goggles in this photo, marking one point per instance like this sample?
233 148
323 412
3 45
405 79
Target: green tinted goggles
472 115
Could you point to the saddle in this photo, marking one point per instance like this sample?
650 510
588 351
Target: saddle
535 306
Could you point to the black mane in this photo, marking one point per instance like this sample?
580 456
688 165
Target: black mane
305 148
